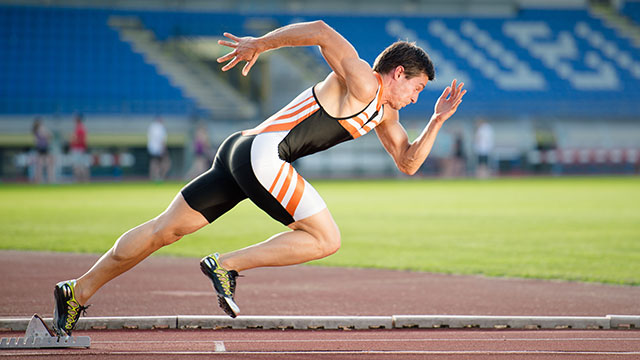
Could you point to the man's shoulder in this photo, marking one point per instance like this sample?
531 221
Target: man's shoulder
364 92
389 115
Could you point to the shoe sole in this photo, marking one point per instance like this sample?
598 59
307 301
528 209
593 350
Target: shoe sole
226 303
58 295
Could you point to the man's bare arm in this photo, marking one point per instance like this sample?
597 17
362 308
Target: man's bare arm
410 156
341 56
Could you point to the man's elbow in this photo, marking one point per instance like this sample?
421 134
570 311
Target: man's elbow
320 23
410 171
408 168
321 28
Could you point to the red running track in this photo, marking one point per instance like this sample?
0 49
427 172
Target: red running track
175 286
354 344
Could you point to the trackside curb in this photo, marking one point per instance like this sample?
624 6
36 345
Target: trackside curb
342 322
503 322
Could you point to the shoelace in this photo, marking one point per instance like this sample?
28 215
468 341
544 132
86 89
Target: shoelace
84 309
74 314
225 280
233 275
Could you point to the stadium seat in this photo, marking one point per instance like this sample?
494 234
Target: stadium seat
538 63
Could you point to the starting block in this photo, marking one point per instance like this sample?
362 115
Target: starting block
38 336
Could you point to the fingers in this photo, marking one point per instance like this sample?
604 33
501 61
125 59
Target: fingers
227 43
231 36
229 56
231 64
458 97
241 52
445 93
235 61
230 44
248 65
457 91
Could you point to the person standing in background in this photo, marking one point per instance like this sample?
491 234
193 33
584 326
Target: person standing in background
78 147
459 161
483 146
159 162
43 159
201 153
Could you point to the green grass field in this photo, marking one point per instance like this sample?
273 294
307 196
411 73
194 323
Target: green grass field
584 229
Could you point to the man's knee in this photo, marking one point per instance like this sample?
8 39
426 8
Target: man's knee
324 231
329 241
163 234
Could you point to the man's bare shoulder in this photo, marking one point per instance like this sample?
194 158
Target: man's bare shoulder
390 115
338 99
332 85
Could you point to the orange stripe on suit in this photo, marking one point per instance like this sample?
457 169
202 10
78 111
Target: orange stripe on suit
285 186
296 197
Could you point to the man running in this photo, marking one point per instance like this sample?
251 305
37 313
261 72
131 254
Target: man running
256 163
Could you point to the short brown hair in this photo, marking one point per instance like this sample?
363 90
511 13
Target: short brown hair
414 60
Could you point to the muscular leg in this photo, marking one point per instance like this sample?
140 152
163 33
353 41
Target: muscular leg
136 244
311 238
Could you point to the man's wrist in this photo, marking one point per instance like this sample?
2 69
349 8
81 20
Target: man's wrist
261 44
437 120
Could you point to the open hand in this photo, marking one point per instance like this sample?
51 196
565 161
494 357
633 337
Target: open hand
245 49
448 102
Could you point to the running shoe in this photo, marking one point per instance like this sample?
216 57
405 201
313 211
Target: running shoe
224 283
68 309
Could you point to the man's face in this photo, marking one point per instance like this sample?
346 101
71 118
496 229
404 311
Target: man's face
404 91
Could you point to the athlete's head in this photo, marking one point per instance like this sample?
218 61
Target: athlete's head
410 68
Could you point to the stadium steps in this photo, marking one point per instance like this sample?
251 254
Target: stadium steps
310 67
623 26
194 78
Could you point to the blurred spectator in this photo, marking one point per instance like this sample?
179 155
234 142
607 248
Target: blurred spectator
201 153
483 145
545 141
78 146
43 159
455 164
459 159
159 163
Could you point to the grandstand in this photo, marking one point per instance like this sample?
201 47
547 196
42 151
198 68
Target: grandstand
569 67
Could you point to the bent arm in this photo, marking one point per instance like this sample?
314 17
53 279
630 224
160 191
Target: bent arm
408 157
335 48
341 56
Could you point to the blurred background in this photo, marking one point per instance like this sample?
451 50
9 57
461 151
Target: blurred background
103 90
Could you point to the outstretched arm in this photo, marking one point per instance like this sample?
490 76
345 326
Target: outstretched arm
341 56
410 156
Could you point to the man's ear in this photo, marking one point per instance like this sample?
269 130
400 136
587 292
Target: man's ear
398 72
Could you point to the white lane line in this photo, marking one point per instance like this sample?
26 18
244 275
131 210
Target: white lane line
384 352
360 340
220 346
338 352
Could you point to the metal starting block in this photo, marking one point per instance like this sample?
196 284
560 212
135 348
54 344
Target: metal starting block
38 335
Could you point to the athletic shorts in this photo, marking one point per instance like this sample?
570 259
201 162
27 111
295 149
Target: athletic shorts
249 167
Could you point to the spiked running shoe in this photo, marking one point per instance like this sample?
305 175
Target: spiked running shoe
224 283
68 309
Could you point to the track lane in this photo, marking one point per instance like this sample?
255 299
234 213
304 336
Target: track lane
396 344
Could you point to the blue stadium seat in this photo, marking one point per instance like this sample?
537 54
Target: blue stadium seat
541 62
68 59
